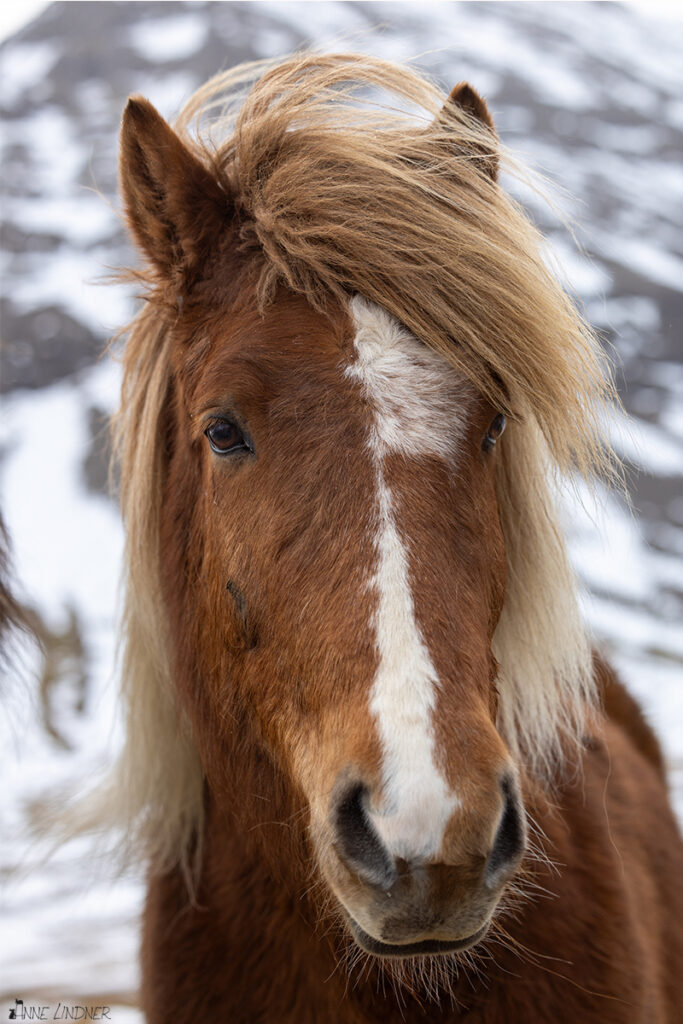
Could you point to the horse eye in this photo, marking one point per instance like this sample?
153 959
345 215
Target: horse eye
493 433
226 438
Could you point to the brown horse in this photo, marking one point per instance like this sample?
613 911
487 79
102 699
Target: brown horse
375 768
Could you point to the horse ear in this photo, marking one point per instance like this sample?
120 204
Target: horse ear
174 204
469 100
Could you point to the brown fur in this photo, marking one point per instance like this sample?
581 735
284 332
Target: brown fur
248 655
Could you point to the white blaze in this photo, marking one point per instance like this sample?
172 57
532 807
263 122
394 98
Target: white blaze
419 406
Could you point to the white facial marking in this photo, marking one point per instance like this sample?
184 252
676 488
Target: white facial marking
420 407
420 401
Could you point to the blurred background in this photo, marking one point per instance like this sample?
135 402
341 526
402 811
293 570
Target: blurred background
591 94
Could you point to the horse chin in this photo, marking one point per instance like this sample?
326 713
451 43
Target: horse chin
425 947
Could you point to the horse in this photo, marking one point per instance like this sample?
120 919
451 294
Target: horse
373 763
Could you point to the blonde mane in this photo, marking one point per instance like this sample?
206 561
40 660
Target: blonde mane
339 193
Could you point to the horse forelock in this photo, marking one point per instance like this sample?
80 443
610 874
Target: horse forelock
347 178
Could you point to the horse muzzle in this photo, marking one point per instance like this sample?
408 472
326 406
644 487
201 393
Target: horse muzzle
401 907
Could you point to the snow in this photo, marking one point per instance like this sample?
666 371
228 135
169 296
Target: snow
14 16
49 135
649 446
643 256
169 39
25 66
67 550
83 220
70 281
59 532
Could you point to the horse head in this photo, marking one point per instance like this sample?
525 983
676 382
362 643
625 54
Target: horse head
333 505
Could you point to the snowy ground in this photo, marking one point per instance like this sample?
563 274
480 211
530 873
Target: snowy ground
590 93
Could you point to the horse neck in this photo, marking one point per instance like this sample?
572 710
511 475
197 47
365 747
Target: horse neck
257 880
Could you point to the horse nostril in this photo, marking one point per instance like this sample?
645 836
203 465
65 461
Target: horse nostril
357 841
509 842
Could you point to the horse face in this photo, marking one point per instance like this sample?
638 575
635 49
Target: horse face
332 483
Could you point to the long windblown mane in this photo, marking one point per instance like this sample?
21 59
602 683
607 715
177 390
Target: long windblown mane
339 195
